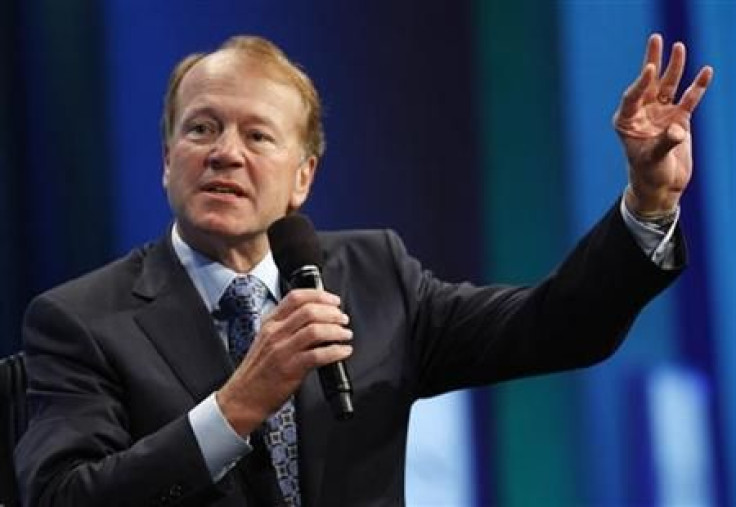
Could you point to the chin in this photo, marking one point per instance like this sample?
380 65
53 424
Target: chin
225 227
230 229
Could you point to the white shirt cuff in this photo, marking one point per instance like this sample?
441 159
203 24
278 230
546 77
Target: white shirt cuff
220 445
656 244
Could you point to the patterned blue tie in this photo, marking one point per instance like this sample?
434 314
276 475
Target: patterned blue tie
241 304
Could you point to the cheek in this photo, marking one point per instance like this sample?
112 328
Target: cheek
182 171
179 184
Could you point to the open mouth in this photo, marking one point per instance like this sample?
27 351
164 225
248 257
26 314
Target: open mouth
224 188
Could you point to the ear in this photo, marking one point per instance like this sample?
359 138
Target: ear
165 160
303 178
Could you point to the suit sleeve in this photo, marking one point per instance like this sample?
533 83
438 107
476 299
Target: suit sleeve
77 450
466 336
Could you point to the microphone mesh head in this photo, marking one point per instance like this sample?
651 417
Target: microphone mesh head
294 243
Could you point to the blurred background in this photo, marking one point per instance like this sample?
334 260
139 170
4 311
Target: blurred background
480 130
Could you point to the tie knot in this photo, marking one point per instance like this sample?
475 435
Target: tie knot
245 294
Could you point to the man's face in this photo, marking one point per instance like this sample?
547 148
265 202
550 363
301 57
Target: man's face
235 161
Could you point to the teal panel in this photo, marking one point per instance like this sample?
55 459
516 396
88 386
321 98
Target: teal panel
525 210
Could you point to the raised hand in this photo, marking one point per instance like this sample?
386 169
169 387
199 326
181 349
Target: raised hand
655 130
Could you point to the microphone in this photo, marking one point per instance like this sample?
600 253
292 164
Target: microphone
298 256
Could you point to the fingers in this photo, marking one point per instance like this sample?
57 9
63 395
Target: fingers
648 87
653 57
694 93
653 54
311 327
296 298
306 319
634 94
671 78
321 356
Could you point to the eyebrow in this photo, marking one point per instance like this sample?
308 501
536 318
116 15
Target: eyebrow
201 110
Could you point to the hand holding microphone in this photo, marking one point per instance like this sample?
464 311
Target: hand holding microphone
306 330
298 255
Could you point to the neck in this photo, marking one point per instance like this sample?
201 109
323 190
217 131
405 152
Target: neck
241 254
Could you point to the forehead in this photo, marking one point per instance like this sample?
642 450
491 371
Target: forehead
239 79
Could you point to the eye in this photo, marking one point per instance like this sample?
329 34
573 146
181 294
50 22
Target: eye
201 129
259 136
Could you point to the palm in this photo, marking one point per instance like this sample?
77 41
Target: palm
641 134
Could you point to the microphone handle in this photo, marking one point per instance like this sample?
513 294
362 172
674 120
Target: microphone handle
334 377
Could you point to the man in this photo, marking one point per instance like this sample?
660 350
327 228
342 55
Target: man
134 399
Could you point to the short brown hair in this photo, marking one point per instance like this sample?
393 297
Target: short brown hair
270 55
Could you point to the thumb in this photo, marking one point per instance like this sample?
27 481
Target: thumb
668 139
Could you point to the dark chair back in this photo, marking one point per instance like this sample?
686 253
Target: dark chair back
13 421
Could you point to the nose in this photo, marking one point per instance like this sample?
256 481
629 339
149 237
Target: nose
227 152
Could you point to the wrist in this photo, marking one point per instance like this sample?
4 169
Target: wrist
658 210
242 419
659 220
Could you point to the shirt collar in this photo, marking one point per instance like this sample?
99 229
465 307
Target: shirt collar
212 278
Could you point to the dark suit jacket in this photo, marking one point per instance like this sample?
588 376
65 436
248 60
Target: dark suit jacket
117 358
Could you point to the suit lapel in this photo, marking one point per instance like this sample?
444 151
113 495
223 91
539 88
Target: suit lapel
177 322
